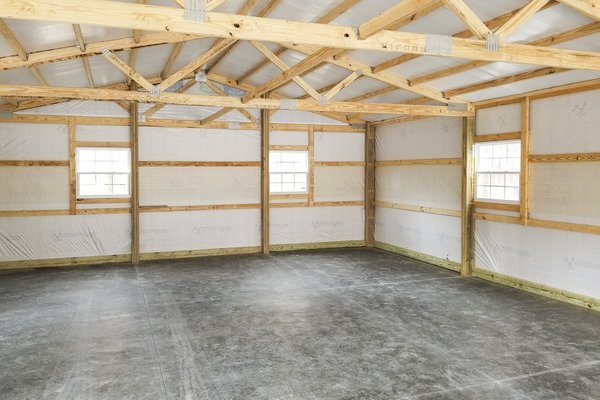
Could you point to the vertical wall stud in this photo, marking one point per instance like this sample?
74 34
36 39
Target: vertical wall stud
524 183
468 223
369 185
72 170
264 178
311 165
135 212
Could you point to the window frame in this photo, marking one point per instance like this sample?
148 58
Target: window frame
78 173
306 173
476 173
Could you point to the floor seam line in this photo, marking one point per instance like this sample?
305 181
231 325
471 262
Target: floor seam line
162 377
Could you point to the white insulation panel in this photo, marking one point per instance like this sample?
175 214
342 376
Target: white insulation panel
435 235
559 259
34 188
104 133
339 146
339 183
316 224
177 186
34 142
198 230
500 119
47 237
429 138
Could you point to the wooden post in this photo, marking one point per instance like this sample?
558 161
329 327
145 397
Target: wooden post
265 181
468 224
135 212
524 179
72 170
370 185
311 165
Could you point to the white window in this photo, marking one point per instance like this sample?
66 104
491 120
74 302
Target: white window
289 171
497 171
102 172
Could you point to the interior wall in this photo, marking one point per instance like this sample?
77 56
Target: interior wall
418 186
186 206
562 192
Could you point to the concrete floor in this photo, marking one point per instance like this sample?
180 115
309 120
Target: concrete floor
334 324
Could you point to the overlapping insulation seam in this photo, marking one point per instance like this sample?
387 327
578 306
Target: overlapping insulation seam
564 192
67 236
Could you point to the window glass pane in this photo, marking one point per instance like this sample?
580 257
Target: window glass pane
289 171
102 172
497 167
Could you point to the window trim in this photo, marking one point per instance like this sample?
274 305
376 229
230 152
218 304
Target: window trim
286 194
80 196
476 172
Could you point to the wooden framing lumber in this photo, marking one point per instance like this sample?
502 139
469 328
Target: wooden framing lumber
128 71
467 257
421 209
389 18
524 174
135 186
199 163
155 108
166 19
224 101
467 15
284 67
369 195
520 17
497 206
344 83
495 137
311 165
424 161
34 163
590 8
440 262
72 169
220 92
566 157
265 184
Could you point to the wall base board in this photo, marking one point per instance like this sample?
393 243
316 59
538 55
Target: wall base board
439 262
316 245
65 262
538 288
165 255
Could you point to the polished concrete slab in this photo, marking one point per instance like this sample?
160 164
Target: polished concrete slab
342 324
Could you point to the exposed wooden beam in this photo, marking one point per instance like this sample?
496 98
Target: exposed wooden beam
137 34
519 18
133 55
12 41
88 71
217 115
196 64
467 15
166 19
128 71
284 67
265 184
344 83
220 92
309 62
135 186
591 8
387 19
223 101
467 259
79 37
155 108
569 35
171 60
504 80
327 18
85 61
370 148
492 24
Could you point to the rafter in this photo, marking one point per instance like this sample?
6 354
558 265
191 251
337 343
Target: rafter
85 61
157 18
591 8
520 17
224 101
128 71
155 108
572 34
283 67
467 15
220 92
387 19
492 24
137 34
344 83
309 62
197 63
171 60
